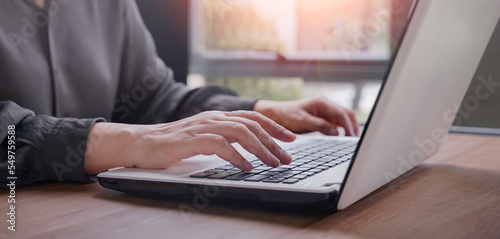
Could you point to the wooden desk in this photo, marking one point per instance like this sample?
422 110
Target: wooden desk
455 194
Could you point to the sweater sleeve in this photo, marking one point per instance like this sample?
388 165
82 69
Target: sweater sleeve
148 92
45 148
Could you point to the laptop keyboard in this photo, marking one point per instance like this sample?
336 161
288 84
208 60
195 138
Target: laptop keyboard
309 158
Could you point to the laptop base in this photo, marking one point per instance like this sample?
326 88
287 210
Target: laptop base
204 195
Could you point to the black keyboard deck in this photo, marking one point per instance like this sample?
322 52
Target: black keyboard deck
309 158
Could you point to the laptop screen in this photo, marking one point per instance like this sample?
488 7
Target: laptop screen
429 73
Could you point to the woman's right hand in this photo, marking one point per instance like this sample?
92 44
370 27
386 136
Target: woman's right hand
160 146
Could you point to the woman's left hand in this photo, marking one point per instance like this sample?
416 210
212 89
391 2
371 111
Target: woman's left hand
310 115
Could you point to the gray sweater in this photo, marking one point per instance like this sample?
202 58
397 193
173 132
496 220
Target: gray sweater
76 62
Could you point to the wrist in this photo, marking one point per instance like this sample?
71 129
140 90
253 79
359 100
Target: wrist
109 145
269 109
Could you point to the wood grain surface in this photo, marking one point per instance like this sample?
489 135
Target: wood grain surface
455 194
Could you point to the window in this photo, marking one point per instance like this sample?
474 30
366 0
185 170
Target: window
341 30
291 49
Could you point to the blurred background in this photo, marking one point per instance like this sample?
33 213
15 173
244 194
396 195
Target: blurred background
294 49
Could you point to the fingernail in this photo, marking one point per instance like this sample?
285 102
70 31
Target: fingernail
333 131
276 161
286 156
247 166
289 134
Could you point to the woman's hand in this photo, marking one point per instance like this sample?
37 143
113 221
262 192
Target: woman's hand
309 115
160 146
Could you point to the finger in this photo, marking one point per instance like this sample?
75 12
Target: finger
318 124
354 121
237 132
274 129
345 122
264 138
337 115
210 144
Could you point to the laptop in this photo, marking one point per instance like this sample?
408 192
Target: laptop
428 75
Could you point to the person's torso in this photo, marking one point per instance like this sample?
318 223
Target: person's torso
63 60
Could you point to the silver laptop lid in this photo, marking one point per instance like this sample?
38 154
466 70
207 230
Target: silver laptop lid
437 59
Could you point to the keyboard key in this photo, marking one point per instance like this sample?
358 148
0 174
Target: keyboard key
306 166
279 170
277 176
297 157
293 172
286 166
263 167
328 158
256 178
315 170
255 171
286 174
214 171
273 180
290 181
303 153
316 156
301 169
201 175
222 174
304 160
307 173
239 176
225 167
338 154
330 164
299 177
269 173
